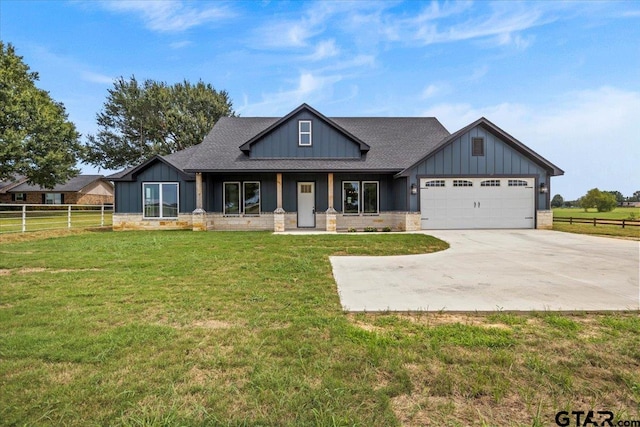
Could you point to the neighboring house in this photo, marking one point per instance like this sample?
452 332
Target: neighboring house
305 170
81 190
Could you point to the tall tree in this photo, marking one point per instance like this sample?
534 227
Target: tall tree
140 120
601 200
36 139
557 201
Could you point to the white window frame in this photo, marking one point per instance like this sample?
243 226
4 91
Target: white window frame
301 132
53 200
244 198
160 201
20 197
377 183
344 197
224 198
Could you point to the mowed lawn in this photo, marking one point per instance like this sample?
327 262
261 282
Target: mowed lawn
607 230
246 329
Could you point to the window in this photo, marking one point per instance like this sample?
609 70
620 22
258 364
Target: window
477 146
251 198
370 197
304 133
517 183
305 188
19 197
53 198
462 183
435 183
160 200
350 197
231 198
490 183
246 201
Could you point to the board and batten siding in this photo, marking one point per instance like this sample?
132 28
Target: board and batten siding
455 159
327 143
129 194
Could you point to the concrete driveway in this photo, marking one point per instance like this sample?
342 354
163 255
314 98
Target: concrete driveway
489 270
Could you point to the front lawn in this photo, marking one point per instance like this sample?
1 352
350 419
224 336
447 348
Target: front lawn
600 229
246 329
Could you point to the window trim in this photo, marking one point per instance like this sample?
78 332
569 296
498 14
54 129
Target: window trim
160 201
224 198
244 198
344 198
474 148
301 132
54 201
377 211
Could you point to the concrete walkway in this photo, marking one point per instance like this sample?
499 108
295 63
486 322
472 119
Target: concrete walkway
489 270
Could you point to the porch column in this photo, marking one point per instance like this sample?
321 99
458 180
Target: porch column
198 217
331 212
198 190
278 214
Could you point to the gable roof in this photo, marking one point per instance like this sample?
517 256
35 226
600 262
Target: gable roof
392 142
175 160
504 136
246 147
75 184
5 186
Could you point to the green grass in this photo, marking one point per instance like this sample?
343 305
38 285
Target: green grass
246 329
605 230
11 222
617 213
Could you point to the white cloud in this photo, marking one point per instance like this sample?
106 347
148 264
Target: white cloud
310 88
592 134
180 45
324 49
170 15
92 77
430 91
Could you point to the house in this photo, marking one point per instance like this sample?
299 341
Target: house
80 190
306 170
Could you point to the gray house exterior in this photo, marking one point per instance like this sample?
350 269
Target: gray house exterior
305 170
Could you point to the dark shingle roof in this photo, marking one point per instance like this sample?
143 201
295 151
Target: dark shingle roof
395 143
74 184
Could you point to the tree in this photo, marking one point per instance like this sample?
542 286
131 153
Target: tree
602 201
618 195
557 201
635 197
36 139
140 120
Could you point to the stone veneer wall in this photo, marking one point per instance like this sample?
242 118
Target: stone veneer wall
544 220
397 221
122 222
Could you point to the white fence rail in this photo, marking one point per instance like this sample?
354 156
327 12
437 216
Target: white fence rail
19 218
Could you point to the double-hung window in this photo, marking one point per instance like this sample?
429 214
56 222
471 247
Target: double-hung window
304 133
360 197
53 198
160 199
242 197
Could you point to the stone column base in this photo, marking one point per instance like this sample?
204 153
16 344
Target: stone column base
199 220
330 219
278 220
544 220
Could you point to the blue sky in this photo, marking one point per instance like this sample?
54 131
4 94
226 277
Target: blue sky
562 77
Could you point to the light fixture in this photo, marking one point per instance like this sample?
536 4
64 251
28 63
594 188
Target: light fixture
414 189
543 188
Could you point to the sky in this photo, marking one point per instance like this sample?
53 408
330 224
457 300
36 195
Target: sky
561 77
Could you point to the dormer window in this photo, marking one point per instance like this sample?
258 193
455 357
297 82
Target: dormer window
304 133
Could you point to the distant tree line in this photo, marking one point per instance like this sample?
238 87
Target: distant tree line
603 201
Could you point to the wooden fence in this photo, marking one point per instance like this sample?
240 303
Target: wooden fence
599 221
19 218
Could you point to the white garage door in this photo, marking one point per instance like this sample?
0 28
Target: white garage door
458 203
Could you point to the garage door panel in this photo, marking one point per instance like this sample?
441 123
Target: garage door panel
466 203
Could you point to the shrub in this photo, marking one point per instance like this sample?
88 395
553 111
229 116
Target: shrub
370 229
386 229
352 230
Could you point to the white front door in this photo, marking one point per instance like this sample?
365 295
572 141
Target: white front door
306 204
